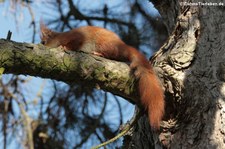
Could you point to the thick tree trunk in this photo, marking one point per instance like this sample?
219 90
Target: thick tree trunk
192 62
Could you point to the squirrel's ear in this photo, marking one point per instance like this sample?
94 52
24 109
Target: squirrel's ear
45 32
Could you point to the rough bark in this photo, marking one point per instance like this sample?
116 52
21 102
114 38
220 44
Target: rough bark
69 67
192 64
201 110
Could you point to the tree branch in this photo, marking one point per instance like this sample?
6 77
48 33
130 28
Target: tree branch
67 66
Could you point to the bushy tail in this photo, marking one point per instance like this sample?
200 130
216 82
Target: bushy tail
150 90
151 95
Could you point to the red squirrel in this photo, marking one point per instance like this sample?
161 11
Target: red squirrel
102 42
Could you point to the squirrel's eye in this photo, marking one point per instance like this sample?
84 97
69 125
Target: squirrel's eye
43 42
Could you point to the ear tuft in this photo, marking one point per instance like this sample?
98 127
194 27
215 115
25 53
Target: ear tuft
46 33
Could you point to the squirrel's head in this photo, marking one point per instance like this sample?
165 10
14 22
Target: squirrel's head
48 36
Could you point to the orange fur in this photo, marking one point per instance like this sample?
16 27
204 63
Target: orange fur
105 43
